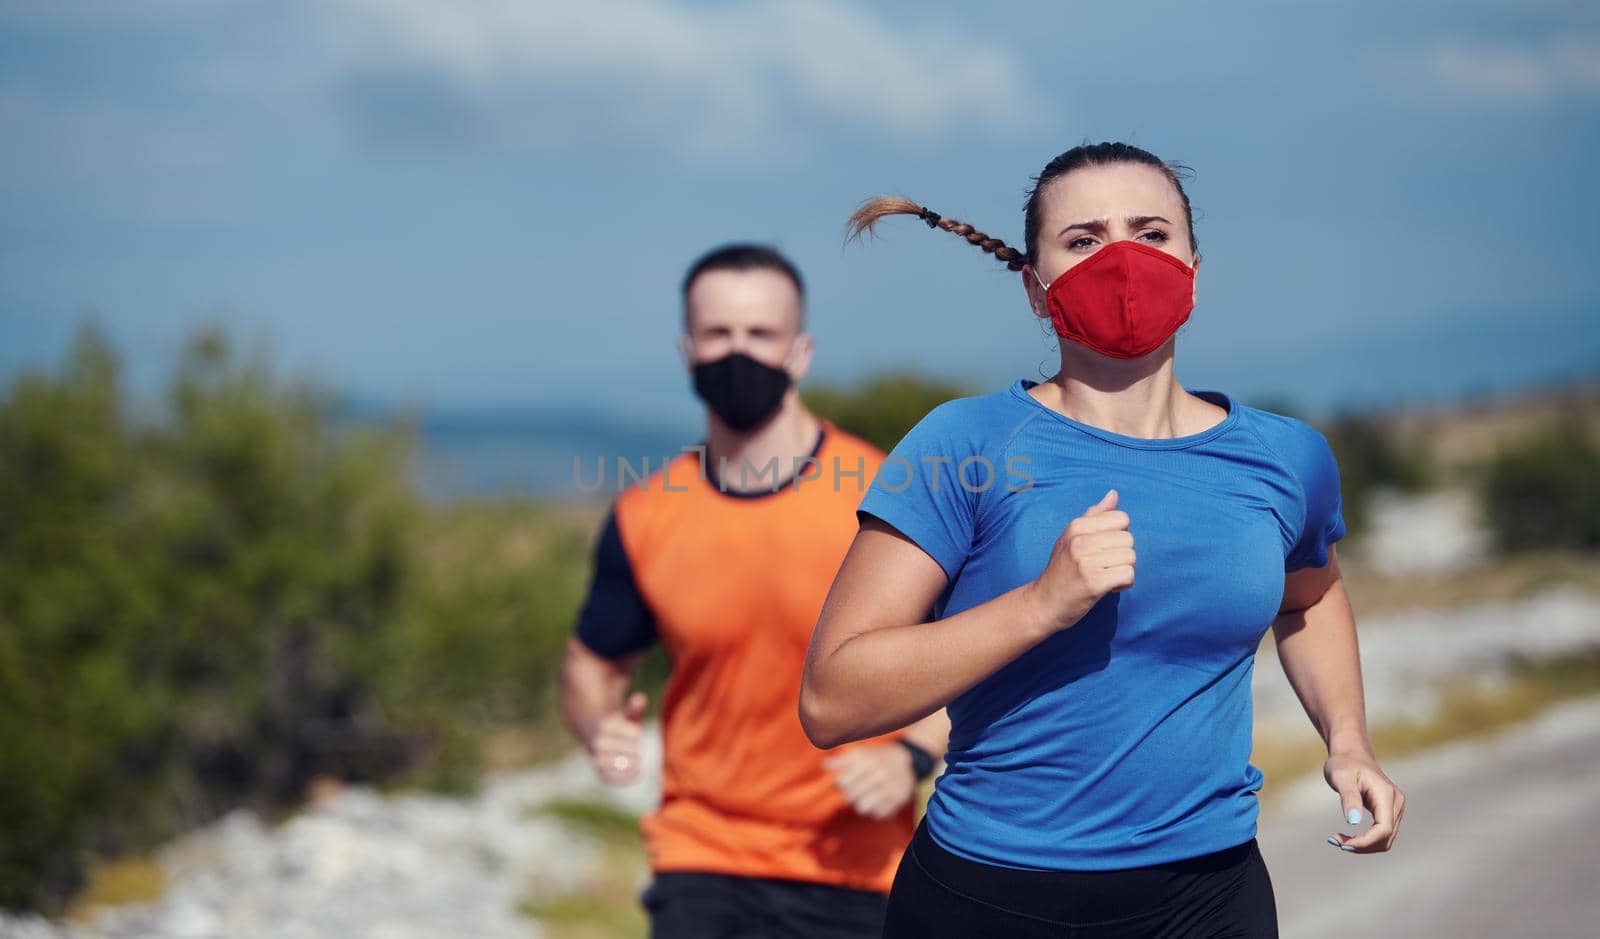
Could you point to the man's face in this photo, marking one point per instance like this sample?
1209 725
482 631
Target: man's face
757 312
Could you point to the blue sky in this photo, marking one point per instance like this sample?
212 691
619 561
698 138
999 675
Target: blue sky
491 204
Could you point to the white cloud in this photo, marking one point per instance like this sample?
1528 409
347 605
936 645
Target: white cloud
1530 72
705 81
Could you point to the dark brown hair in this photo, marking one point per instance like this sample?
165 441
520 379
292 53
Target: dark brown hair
1100 154
743 256
867 214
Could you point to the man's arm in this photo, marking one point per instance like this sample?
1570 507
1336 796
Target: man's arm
592 706
614 629
879 779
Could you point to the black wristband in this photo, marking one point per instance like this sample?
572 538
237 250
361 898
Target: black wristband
921 760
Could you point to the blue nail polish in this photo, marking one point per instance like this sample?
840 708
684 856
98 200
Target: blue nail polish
1345 847
1333 842
1354 817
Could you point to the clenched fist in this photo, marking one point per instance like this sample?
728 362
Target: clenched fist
617 742
1093 557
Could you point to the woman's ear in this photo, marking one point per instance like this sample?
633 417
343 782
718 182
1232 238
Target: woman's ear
1036 298
1194 289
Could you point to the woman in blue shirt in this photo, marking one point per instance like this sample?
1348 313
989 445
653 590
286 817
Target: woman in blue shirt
1081 569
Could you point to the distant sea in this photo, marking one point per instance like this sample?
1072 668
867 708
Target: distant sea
550 455
531 451
472 455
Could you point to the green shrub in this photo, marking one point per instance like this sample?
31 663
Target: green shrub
1544 492
1371 457
884 408
180 604
210 607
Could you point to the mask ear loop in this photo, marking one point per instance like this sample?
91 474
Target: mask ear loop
1043 289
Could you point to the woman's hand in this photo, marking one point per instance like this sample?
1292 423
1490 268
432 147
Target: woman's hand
1359 782
1093 557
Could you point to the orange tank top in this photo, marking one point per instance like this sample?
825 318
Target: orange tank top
735 583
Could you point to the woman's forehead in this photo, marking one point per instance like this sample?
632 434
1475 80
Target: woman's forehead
1116 189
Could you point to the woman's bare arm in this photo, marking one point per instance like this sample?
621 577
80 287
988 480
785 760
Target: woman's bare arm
1316 637
876 662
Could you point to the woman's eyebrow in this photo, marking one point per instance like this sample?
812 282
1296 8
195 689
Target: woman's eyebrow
1094 224
1099 224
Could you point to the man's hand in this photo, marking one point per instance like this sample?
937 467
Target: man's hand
617 741
878 780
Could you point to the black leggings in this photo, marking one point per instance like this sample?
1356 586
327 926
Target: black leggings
937 894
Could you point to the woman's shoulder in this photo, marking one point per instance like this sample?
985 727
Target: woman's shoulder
1295 441
1277 425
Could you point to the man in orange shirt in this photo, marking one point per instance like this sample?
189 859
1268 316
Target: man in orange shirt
726 555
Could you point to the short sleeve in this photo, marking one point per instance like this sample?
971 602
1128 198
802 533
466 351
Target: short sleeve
615 620
919 488
1318 472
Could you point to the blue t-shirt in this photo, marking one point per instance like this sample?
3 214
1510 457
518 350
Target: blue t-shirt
1124 740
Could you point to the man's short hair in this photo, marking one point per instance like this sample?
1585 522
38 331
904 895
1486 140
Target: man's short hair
742 256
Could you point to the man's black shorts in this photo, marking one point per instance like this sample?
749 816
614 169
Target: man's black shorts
693 905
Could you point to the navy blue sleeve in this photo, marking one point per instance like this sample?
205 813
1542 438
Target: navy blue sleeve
615 620
919 487
1318 472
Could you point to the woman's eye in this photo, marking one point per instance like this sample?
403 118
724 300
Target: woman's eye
1083 242
1155 235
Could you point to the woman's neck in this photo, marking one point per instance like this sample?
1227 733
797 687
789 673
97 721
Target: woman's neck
1133 397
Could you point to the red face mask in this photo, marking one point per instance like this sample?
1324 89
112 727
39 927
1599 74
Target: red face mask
1124 300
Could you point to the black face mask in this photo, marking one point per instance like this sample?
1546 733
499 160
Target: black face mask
742 391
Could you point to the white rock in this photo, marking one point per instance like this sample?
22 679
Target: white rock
1434 533
1406 656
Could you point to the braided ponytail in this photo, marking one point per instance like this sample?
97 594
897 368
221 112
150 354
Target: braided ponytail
866 217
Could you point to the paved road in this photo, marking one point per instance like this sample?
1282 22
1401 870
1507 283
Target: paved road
1501 839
